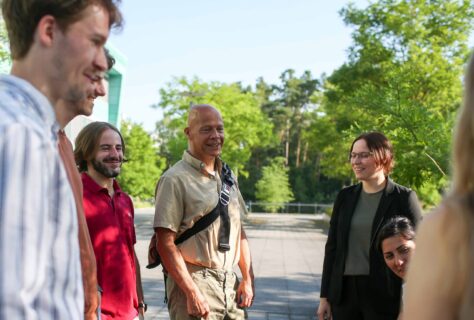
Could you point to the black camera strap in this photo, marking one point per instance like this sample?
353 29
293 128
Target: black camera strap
223 204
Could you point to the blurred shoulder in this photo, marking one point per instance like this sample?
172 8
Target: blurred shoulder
440 260
447 216
443 232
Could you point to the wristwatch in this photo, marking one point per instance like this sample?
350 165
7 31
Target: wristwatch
143 305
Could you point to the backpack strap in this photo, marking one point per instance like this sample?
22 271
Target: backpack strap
200 225
220 210
154 259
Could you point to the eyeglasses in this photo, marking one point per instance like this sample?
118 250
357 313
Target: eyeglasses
360 155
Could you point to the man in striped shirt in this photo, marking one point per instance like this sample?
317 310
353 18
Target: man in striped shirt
57 51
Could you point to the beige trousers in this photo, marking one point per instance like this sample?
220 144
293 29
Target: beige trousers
219 287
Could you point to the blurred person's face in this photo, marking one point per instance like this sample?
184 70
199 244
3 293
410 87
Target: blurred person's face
109 155
99 91
363 162
79 60
397 252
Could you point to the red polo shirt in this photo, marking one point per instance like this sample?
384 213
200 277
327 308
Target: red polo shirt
110 222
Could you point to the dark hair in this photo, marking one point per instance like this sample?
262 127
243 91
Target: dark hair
396 226
22 17
381 147
87 142
110 59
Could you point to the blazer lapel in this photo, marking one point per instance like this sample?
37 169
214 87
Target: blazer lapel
384 204
349 206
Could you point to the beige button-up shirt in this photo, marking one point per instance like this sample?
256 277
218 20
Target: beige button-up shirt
184 194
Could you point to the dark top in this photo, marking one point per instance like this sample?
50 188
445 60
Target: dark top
384 286
357 260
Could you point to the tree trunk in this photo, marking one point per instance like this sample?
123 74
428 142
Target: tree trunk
298 151
287 143
305 152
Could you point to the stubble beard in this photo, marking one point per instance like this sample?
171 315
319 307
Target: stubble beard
74 96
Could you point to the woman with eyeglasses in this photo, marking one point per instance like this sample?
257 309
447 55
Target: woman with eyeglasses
355 284
440 281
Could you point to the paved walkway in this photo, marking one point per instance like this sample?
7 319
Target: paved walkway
287 252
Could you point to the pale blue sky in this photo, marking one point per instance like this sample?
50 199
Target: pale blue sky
225 41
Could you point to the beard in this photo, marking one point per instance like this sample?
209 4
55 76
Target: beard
107 172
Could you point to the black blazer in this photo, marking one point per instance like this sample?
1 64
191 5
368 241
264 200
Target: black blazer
384 286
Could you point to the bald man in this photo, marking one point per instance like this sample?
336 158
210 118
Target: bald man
201 282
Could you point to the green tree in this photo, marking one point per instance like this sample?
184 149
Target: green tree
274 186
288 105
291 105
4 51
246 126
403 78
143 167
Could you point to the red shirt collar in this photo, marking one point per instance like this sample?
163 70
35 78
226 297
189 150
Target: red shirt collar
91 185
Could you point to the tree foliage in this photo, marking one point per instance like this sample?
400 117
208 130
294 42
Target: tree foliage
403 78
4 51
288 104
274 187
144 166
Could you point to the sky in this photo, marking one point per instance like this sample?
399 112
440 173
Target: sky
226 41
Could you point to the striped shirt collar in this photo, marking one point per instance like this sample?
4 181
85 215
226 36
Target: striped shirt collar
33 100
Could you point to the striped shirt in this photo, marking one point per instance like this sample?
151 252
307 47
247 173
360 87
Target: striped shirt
40 272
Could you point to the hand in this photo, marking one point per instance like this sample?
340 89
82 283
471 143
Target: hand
324 310
197 305
92 303
245 293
